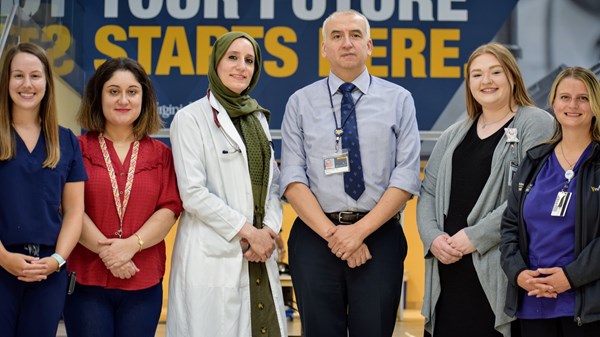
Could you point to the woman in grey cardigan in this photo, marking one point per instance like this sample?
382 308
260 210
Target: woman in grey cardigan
464 194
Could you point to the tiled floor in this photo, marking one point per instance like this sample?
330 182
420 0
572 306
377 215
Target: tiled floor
410 326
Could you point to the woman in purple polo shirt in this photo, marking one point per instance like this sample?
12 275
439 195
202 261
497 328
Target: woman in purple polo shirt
551 227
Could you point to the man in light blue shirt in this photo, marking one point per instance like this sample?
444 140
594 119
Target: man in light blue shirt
346 252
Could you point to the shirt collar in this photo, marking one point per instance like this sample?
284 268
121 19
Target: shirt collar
361 82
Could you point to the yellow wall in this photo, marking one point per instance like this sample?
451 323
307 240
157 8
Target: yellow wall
67 104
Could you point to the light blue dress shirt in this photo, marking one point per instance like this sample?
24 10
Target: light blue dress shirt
388 136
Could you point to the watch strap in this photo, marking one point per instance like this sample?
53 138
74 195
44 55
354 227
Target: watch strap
60 260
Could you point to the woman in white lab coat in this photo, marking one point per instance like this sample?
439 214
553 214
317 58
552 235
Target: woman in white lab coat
224 280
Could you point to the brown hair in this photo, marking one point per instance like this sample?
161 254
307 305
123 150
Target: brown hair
91 116
47 110
511 69
592 85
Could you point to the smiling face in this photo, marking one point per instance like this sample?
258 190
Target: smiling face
236 67
346 45
572 105
27 85
121 99
490 85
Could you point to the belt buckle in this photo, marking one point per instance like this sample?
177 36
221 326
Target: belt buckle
340 214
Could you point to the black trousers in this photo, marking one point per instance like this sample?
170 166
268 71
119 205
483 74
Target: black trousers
335 300
558 327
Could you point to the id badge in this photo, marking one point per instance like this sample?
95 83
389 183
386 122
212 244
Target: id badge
561 203
337 162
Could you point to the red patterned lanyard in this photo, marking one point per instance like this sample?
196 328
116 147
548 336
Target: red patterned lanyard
113 179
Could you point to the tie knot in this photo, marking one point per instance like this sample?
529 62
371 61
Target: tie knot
347 88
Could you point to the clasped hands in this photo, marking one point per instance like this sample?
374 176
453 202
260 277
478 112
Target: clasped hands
449 249
117 254
258 244
544 282
346 243
28 268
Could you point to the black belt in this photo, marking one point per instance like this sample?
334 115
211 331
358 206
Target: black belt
348 217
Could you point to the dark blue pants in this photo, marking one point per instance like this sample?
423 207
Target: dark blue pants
99 312
31 308
335 300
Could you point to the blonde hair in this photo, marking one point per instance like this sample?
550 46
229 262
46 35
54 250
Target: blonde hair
47 111
511 69
592 85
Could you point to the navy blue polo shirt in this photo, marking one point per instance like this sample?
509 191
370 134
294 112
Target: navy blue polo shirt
30 196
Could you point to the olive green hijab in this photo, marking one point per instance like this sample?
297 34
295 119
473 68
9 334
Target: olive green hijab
235 104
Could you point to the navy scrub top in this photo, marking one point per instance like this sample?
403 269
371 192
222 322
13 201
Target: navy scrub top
30 195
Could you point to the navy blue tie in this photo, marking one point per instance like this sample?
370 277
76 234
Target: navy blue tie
354 183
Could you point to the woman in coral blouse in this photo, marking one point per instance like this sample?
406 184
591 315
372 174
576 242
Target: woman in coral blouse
131 203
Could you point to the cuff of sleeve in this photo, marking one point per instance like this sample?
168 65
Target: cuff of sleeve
291 174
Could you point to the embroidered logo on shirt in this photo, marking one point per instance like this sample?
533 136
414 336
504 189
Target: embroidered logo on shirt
595 189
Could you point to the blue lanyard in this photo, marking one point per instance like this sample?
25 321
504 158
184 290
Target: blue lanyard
339 130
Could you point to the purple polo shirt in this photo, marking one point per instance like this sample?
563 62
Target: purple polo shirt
551 238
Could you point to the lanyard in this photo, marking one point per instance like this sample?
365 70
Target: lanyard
113 179
339 130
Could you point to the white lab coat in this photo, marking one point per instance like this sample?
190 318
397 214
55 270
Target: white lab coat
209 284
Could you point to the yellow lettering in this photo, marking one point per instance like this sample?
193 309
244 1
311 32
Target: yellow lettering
378 52
105 46
175 42
204 42
439 53
29 34
408 45
287 56
145 36
62 41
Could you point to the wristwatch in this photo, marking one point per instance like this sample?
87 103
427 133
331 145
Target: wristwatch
60 260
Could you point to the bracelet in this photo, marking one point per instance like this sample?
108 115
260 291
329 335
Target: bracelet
140 242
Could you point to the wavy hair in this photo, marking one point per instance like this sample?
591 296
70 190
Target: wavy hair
91 116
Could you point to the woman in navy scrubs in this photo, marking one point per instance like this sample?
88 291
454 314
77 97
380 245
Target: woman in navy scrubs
41 196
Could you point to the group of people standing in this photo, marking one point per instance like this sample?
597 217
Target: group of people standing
511 245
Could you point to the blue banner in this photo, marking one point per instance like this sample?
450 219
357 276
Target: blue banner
419 44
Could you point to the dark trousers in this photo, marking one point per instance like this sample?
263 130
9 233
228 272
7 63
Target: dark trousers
31 308
335 300
558 327
99 312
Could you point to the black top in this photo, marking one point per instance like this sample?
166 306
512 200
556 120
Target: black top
471 166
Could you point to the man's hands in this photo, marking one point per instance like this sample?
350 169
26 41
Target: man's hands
346 243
